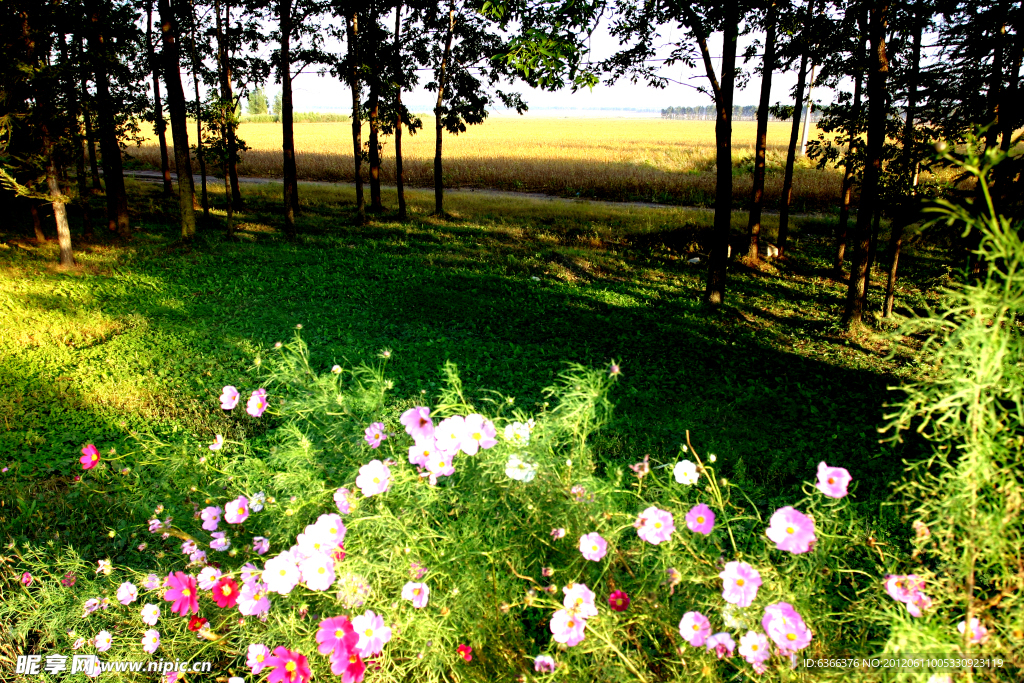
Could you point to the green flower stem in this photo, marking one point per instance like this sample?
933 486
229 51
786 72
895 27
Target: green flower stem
624 658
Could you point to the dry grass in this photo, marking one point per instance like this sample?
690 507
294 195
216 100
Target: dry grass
622 159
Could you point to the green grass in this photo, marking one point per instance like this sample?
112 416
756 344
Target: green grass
142 337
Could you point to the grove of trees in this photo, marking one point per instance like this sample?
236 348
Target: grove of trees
83 77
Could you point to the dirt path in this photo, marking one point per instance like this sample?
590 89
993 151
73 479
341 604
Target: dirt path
156 177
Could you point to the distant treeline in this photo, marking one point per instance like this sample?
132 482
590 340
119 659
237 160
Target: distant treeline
309 117
708 113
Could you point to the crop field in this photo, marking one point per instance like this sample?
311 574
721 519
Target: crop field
654 160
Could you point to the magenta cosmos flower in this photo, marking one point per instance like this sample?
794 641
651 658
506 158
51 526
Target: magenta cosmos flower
479 433
257 656
832 481
374 434
336 637
257 403
593 546
740 582
695 628
654 525
26 579
906 588
90 456
211 517
567 627
182 593
374 477
618 601
544 664
418 593
700 519
791 530
228 397
786 627
417 423
237 511
289 666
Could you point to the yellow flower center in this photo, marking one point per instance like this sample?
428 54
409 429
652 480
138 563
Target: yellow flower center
657 525
790 636
571 624
477 436
185 593
369 632
376 436
227 590
241 511
284 572
696 627
442 465
376 480
740 582
594 548
790 530
831 480
700 519
352 659
618 602
95 457
290 666
259 658
416 591
753 648
321 570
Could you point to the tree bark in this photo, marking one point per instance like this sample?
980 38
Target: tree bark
399 178
806 132
60 214
113 171
848 174
291 184
352 28
907 164
200 147
75 109
37 222
224 72
179 124
90 138
757 202
787 183
857 293
375 201
158 110
438 111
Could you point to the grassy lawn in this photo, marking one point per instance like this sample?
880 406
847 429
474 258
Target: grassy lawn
141 338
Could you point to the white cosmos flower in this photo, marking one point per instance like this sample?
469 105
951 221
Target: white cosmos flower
518 433
686 472
520 470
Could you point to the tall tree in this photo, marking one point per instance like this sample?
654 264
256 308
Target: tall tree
227 98
200 146
353 69
399 176
853 137
158 110
761 145
441 77
877 109
179 125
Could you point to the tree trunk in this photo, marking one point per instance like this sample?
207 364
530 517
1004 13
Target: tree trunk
113 172
757 203
291 183
60 214
375 201
1011 100
907 164
75 109
37 222
179 124
848 175
787 183
224 72
399 179
857 292
806 133
352 26
200 148
90 138
876 222
158 110
438 110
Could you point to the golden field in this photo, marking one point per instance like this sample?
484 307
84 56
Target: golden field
622 159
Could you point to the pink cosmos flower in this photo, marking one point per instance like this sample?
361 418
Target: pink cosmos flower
721 644
343 501
700 519
317 572
90 456
418 593
289 667
257 656
350 667
253 599
104 567
26 579
580 600
173 677
418 423
220 541
785 627
152 582
754 647
151 640
977 633
208 578
127 593
466 652
557 533
618 601
225 593
449 433
374 434
740 582
218 443
189 547
373 634
330 526
791 530
695 628
479 433
336 635
228 397
832 481
260 544
150 614
103 641
642 468
237 511
567 627
439 464
257 403
544 664
374 477
182 593
281 574
654 525
593 547
420 452
211 517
